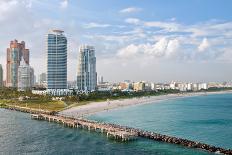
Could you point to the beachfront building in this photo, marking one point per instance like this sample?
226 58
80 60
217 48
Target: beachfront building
104 87
56 46
24 76
189 86
125 85
32 77
100 80
15 53
147 86
86 73
202 86
1 76
182 86
139 86
42 78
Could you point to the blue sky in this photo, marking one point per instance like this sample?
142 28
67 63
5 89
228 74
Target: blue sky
153 40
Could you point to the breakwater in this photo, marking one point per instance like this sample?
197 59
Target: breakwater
28 110
125 133
183 142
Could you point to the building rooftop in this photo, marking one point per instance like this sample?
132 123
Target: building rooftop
57 31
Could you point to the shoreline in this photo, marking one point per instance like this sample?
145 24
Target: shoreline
147 134
95 107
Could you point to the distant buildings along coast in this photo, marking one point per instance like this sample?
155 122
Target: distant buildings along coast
20 75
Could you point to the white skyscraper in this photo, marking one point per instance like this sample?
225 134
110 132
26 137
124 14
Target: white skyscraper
24 76
86 73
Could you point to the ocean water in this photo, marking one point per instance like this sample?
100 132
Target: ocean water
206 119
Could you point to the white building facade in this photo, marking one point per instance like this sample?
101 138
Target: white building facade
86 73
24 76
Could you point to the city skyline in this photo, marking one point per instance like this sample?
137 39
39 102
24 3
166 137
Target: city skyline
133 40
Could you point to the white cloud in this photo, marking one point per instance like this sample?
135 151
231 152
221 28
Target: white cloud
64 4
172 47
166 40
129 51
158 49
168 26
6 7
163 48
130 10
204 45
95 25
134 21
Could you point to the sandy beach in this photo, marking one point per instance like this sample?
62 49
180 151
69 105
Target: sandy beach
95 107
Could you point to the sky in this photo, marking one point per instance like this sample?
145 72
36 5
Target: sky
150 40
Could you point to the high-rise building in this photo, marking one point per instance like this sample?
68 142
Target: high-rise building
100 80
42 78
24 76
86 73
1 76
32 76
56 43
15 53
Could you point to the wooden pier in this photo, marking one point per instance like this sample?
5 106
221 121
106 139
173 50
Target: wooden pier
110 130
124 133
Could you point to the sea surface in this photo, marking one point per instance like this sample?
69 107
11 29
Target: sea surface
204 118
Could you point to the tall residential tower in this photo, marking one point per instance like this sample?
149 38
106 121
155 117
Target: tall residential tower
56 43
24 76
86 73
15 53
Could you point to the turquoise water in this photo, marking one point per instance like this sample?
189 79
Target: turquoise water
206 119
21 135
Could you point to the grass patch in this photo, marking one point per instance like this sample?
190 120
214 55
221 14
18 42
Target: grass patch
50 106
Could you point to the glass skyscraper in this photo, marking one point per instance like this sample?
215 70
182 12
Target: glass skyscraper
86 74
56 60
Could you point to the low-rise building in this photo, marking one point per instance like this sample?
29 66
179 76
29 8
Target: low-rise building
139 86
202 86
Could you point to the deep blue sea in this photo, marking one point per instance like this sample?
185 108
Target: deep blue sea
206 119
